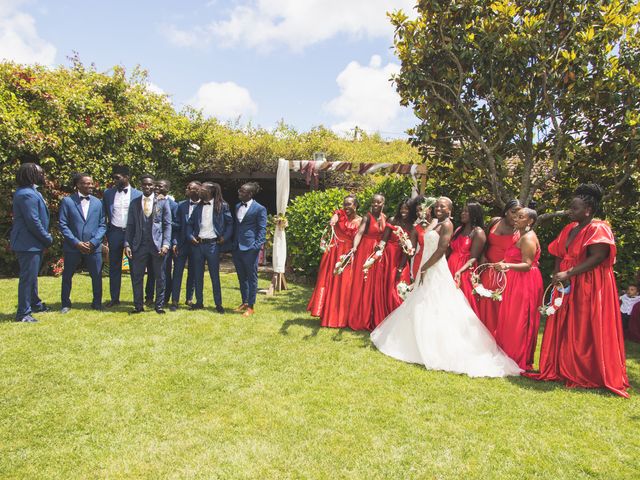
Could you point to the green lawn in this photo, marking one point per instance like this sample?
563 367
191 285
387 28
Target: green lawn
200 395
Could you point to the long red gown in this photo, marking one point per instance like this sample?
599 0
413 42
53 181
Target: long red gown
460 255
583 343
363 291
519 317
331 298
417 258
497 245
387 299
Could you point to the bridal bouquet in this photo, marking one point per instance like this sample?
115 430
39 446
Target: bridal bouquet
405 241
327 240
343 263
554 303
482 291
404 289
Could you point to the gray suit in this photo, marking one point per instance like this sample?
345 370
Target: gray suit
146 236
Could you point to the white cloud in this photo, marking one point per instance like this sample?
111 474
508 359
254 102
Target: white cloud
19 39
297 24
153 88
225 101
367 97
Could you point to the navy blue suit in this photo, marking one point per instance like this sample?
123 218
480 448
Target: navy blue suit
29 237
248 238
185 252
209 252
146 236
76 229
115 238
168 261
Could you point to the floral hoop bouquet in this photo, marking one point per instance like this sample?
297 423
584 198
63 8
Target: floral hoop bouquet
482 291
327 240
425 205
404 290
405 241
372 259
547 309
343 263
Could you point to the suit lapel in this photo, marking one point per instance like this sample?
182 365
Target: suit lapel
78 202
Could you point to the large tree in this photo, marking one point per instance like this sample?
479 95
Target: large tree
523 97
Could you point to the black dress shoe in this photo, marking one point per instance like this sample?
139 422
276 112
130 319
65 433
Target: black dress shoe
160 311
173 307
219 309
136 310
111 303
188 302
27 319
196 306
43 309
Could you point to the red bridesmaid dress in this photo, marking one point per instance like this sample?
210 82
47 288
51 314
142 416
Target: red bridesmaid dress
519 317
331 297
497 245
460 255
417 258
387 299
363 291
583 342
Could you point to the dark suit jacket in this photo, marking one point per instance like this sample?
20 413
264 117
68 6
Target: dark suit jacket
30 230
180 224
222 223
75 228
161 226
251 233
109 196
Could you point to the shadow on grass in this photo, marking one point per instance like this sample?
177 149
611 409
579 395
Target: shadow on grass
313 325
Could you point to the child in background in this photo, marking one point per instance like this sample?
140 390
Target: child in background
627 301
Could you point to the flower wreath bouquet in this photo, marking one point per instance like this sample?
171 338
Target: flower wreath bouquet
482 291
555 302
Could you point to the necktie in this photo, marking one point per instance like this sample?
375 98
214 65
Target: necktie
243 204
146 206
206 203
83 198
193 203
123 190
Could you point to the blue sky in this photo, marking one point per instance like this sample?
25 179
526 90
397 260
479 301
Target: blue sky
307 62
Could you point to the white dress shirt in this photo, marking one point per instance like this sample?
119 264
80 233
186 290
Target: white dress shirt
206 222
121 202
85 206
191 207
242 211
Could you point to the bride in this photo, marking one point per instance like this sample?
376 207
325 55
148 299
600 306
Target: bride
435 326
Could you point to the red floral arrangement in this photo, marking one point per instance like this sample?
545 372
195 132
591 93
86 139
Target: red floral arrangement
57 267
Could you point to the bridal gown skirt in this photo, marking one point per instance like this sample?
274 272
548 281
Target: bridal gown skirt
436 327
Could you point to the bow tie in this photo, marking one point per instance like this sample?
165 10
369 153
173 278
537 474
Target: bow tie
123 190
206 203
193 203
243 204
83 198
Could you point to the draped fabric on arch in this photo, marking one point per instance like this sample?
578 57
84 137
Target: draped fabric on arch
282 199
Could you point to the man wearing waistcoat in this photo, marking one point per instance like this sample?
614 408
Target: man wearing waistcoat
148 237
116 202
250 230
29 238
83 226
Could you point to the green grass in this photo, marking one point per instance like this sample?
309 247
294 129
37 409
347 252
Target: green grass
184 395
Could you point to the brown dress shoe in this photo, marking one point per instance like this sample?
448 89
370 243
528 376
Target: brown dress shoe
248 312
241 308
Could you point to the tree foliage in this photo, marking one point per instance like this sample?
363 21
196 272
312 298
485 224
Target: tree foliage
523 97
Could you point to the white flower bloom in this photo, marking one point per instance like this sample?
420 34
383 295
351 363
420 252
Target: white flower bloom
551 310
558 302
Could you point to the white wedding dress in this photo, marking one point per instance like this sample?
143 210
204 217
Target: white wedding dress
436 327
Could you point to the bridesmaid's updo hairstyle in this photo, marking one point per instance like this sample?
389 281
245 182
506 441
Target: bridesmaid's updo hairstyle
531 214
476 214
510 204
591 195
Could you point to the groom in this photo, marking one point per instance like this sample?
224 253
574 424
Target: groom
249 235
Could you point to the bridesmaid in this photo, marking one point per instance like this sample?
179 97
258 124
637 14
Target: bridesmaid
583 342
331 297
519 317
467 245
422 207
394 264
364 243
501 235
